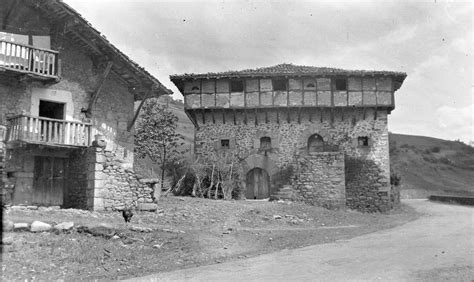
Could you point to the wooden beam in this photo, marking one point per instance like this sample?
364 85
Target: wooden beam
86 41
137 112
98 88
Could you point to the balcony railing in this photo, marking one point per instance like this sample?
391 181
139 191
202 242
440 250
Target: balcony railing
40 130
28 59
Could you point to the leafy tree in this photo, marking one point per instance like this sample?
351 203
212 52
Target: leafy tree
156 136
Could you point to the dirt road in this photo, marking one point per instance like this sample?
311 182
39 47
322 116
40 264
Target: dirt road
438 246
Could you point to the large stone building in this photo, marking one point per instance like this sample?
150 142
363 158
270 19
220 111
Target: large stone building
63 85
313 134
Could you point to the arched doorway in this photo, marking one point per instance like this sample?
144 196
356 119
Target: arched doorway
315 144
258 182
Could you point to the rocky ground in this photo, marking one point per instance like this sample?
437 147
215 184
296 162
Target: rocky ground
184 232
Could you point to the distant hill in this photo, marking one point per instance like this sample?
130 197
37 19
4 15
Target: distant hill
427 165
432 166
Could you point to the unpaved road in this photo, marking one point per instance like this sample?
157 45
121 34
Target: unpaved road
436 247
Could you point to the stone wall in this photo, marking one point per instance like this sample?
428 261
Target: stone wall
365 186
113 186
320 179
75 194
289 131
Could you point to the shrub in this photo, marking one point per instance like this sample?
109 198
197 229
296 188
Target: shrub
435 149
395 177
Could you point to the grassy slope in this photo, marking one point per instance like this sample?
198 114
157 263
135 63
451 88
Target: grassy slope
424 172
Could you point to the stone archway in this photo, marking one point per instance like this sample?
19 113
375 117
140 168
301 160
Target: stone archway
265 163
257 184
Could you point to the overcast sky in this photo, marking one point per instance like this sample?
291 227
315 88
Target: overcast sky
429 40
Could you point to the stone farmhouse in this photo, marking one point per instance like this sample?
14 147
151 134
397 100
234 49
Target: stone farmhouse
67 111
313 134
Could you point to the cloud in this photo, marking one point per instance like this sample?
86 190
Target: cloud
457 122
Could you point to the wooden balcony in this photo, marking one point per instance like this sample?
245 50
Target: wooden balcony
23 59
46 131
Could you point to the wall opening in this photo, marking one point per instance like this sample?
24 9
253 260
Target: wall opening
363 141
236 86
341 84
315 143
50 109
225 143
279 84
265 142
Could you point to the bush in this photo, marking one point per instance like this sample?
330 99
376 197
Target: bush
186 186
395 177
435 149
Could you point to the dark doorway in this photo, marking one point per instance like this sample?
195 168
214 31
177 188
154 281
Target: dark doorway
51 109
258 182
49 181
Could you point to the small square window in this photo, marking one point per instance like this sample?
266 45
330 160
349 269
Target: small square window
279 84
265 142
236 86
225 143
341 84
363 141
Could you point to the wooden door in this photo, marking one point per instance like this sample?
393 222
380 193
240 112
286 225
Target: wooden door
49 180
257 184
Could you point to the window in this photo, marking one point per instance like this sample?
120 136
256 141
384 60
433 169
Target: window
363 141
236 86
51 109
225 143
265 142
315 143
341 84
310 85
279 84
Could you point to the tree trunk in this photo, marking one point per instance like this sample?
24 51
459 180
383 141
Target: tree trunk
163 167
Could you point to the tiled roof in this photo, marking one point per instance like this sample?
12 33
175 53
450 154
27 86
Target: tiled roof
289 70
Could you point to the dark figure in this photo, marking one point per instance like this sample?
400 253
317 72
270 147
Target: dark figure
127 214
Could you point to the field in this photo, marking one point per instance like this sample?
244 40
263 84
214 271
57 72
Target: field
185 232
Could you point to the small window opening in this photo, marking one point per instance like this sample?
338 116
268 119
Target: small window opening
279 84
310 85
51 109
265 142
363 141
315 143
341 84
195 88
225 144
236 86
